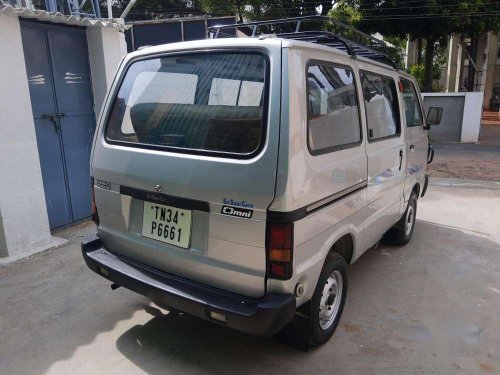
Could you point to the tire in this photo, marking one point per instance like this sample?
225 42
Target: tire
327 302
305 330
400 234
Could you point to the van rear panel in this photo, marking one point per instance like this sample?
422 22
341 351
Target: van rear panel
185 164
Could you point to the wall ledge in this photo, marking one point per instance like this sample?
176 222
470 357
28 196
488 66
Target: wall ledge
51 243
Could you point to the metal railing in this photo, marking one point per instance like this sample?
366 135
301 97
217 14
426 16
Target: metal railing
331 32
79 8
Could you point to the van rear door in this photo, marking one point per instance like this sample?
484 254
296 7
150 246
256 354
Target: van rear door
185 164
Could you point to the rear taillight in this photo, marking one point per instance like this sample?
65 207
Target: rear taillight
95 216
280 250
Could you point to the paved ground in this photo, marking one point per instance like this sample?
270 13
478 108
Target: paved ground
469 161
431 307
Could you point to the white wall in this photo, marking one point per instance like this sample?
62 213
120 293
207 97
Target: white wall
473 109
24 226
106 48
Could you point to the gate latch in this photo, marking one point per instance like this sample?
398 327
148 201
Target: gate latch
54 117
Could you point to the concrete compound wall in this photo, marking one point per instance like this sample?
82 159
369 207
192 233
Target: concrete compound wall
24 226
461 121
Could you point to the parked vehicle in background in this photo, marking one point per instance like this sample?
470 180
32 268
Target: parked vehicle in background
236 178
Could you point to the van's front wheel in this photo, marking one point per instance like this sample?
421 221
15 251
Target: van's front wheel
400 234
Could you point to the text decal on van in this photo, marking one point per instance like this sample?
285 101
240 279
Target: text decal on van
231 202
238 212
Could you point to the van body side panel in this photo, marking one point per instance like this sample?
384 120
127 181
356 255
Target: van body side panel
314 237
304 179
312 178
225 251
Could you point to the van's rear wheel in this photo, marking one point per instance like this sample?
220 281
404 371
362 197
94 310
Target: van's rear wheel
400 234
328 300
316 320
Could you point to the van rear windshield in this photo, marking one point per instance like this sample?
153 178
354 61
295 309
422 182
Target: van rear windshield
210 102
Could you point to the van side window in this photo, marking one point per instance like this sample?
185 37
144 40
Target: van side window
413 112
382 113
333 108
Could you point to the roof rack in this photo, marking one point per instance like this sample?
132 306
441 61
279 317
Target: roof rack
343 37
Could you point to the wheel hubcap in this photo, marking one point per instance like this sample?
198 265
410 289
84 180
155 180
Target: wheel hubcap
410 219
330 300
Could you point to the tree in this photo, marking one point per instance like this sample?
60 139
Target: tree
431 20
262 9
245 10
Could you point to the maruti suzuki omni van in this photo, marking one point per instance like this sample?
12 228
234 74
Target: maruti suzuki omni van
235 179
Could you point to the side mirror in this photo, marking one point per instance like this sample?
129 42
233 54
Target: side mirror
433 116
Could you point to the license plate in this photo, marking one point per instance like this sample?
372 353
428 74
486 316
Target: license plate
167 224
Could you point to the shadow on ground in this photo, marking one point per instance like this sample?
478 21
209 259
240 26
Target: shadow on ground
410 309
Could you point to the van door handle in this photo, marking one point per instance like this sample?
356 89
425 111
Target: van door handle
400 159
412 148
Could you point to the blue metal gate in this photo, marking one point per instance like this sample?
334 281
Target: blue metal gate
61 98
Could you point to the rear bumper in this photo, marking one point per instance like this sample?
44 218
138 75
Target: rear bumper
264 316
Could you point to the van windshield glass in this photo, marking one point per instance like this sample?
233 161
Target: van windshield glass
201 102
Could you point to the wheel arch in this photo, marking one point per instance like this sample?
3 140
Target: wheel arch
344 246
342 242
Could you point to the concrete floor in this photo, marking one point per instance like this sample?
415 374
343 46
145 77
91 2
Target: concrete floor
431 307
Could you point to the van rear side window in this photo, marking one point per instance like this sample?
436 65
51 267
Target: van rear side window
333 109
211 102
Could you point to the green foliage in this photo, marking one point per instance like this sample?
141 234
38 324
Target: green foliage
261 9
429 19
396 55
346 13
418 71
396 41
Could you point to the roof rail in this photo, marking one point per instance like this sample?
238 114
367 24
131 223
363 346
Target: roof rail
344 37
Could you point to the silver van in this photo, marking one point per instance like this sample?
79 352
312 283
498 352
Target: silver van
235 178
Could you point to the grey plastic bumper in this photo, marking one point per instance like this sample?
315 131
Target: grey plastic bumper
264 316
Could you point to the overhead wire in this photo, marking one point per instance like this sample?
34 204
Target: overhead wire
367 17
274 8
